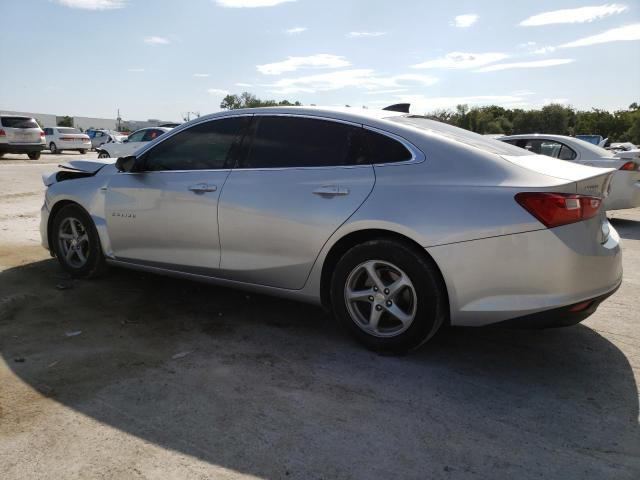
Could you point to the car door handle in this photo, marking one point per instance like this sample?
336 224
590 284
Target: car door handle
202 187
331 191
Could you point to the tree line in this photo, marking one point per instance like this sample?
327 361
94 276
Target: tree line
618 126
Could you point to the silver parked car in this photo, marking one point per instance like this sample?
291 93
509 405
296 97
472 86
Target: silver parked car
128 145
625 184
398 223
21 135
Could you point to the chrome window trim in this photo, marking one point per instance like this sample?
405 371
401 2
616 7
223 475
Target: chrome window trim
417 156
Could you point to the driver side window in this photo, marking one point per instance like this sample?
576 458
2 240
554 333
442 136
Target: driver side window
205 146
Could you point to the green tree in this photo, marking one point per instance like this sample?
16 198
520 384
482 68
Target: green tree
65 121
249 100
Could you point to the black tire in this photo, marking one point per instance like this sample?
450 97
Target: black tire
53 148
34 155
95 264
103 154
430 294
82 152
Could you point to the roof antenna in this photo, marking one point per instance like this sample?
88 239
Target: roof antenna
398 107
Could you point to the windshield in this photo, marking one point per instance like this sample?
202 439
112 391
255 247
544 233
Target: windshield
68 130
460 135
19 122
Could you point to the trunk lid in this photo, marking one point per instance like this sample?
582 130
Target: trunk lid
592 181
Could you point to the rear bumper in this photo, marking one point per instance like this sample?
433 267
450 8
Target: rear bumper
512 276
21 147
559 317
73 145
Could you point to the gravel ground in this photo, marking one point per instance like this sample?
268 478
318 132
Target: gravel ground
139 376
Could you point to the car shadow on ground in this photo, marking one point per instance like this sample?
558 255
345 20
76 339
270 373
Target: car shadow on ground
629 229
274 388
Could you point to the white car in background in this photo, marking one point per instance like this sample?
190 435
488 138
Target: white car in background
21 135
625 185
59 139
130 144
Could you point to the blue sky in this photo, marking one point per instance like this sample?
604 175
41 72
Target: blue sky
160 59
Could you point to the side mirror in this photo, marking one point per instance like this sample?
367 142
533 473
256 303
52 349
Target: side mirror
126 164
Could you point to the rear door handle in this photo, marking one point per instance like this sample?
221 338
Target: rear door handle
202 187
331 191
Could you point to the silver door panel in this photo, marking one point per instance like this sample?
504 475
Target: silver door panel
274 222
165 217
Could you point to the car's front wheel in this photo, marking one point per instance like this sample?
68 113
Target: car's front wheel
33 155
76 243
388 295
82 151
103 154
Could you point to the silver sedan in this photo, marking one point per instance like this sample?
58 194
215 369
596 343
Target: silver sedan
397 223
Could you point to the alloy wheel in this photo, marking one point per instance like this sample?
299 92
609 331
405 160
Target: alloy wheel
73 239
380 298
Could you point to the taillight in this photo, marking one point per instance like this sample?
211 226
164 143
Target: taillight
2 134
41 134
555 209
629 166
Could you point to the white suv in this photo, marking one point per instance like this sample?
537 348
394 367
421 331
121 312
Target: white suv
21 135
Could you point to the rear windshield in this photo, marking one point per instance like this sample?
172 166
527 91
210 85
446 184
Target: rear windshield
68 130
19 122
461 135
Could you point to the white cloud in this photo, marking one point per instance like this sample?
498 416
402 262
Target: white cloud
380 92
358 78
201 75
135 69
621 34
291 64
250 3
535 64
573 15
295 30
217 92
364 34
465 21
527 44
243 85
462 60
156 41
93 4
543 50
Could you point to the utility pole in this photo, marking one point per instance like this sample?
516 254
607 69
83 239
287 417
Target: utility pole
118 119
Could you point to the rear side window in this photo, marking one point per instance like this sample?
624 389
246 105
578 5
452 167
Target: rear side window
19 122
304 142
206 146
137 136
383 149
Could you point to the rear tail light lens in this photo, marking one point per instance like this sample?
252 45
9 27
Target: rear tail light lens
2 134
41 134
629 166
555 209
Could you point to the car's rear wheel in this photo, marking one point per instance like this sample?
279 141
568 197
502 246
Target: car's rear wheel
34 155
103 155
76 243
53 148
388 295
83 151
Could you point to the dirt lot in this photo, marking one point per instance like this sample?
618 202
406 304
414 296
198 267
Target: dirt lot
138 376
